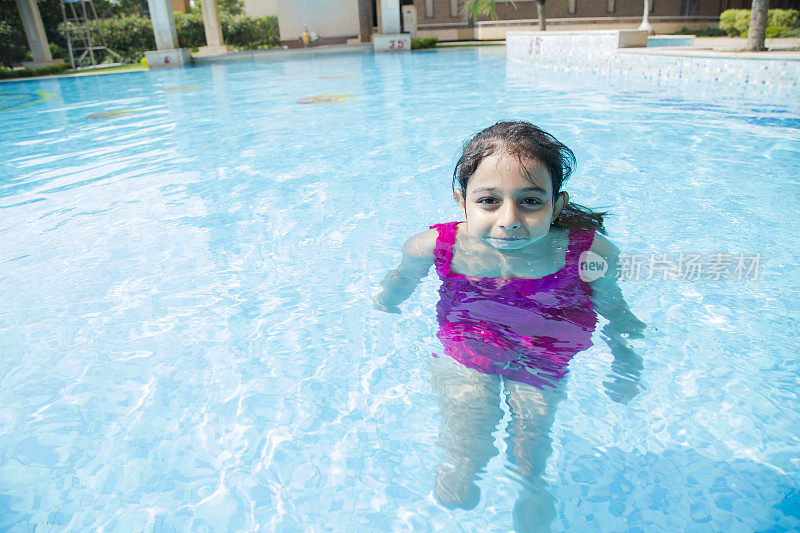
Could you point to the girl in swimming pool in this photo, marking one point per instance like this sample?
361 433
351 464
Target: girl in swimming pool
522 278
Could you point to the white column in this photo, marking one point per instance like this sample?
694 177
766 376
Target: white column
167 53
645 25
390 16
213 29
390 39
410 20
34 31
163 24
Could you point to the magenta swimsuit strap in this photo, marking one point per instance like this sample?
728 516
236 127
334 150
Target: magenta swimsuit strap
443 251
579 241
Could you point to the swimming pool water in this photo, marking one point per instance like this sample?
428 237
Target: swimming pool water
186 262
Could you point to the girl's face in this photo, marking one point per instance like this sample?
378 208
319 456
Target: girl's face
509 204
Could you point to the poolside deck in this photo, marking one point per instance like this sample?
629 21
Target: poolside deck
737 44
713 60
704 47
278 53
728 47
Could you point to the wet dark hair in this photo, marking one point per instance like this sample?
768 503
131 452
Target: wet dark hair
527 142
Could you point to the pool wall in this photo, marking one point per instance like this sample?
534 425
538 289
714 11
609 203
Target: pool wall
277 54
595 51
670 40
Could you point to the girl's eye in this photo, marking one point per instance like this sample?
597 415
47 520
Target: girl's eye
531 201
486 201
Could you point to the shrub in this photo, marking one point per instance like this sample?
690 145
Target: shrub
784 18
780 22
12 44
131 37
226 7
735 21
240 31
27 72
230 7
706 32
248 32
430 42
56 52
191 32
782 31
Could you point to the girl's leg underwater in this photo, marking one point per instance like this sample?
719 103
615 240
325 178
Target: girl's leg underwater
470 405
529 446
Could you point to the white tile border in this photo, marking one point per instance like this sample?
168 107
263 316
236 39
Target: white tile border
596 51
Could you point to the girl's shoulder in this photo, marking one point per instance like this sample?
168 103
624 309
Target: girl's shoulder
422 244
602 246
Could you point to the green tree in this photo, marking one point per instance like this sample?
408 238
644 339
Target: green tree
231 7
477 9
14 44
123 8
226 7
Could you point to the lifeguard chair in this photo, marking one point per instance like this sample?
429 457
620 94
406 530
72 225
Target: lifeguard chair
80 39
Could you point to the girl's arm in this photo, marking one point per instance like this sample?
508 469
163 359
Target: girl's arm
399 284
623 382
607 297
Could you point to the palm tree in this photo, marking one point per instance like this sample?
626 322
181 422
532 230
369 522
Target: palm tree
758 25
481 8
487 8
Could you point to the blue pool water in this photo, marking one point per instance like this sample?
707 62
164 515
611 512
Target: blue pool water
186 335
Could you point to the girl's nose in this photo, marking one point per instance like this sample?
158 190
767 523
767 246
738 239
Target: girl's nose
509 219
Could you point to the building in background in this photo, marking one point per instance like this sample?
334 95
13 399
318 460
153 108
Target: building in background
260 8
181 5
446 19
337 21
332 21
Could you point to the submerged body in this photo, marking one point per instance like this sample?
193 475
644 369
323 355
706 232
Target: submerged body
526 329
513 310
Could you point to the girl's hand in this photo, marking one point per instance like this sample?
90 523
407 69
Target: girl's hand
398 284
621 390
385 308
625 323
622 384
607 296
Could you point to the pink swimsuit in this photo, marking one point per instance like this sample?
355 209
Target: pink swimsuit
524 329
